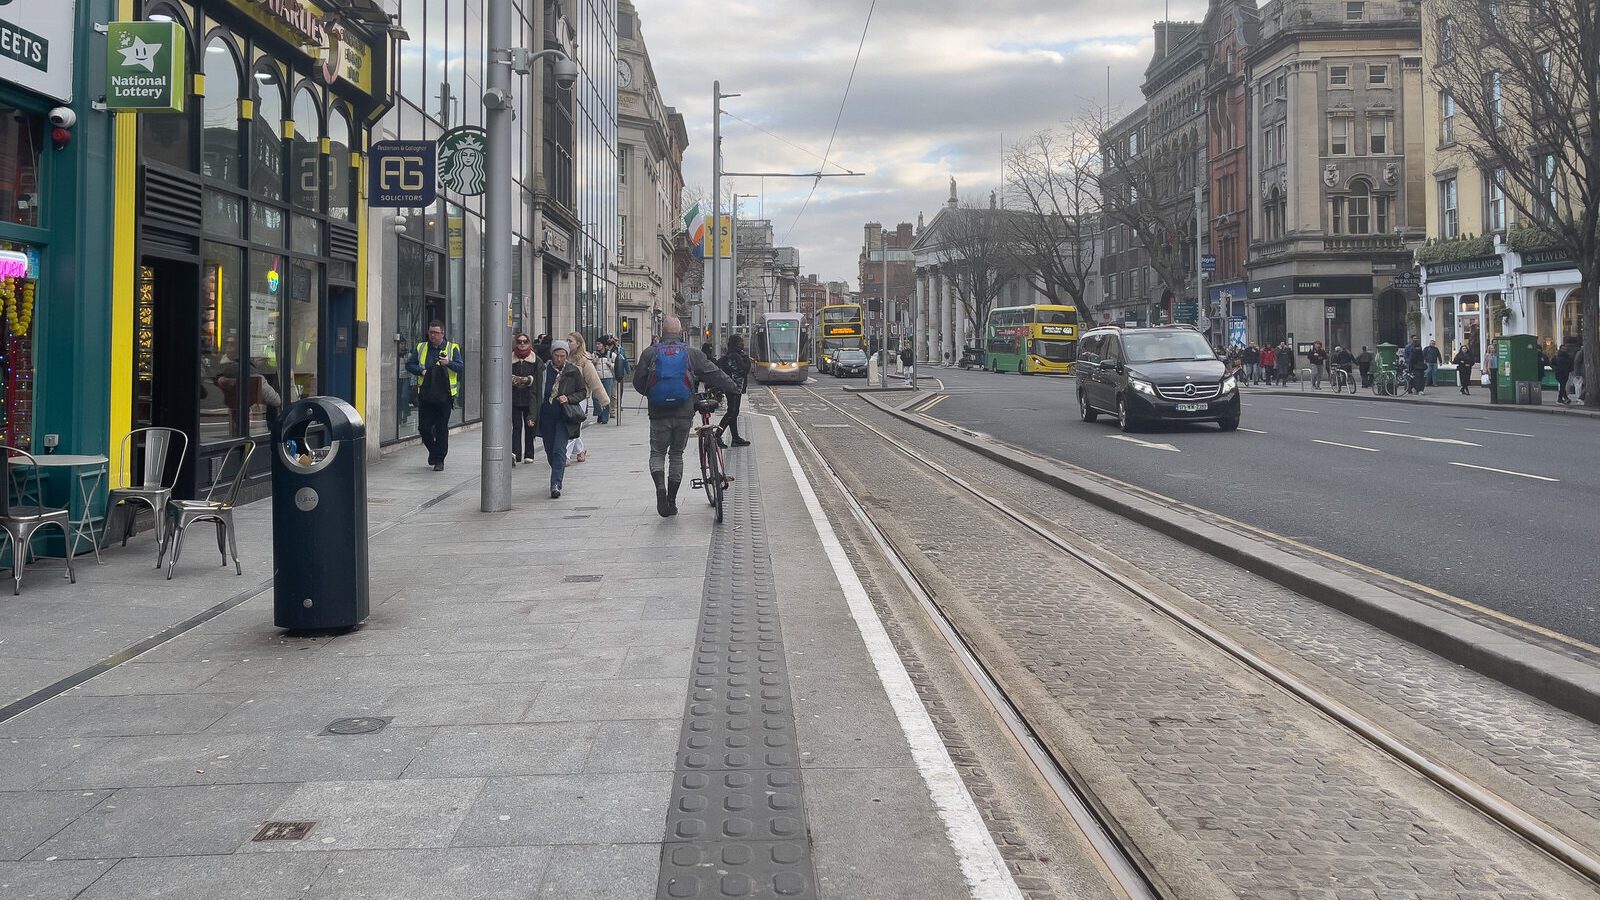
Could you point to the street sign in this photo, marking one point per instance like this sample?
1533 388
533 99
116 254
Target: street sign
1236 331
1405 281
1208 262
401 174
463 155
38 55
145 66
1330 312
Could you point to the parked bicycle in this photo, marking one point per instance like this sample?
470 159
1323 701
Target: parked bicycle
1345 380
713 478
1386 382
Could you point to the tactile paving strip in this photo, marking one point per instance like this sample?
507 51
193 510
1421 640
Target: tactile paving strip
737 823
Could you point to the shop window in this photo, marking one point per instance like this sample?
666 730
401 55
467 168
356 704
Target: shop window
265 398
223 214
304 291
305 153
219 114
305 235
266 134
1544 319
340 177
1494 308
21 140
19 287
1572 317
221 388
266 224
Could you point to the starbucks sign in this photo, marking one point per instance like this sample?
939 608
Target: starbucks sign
463 160
145 66
36 46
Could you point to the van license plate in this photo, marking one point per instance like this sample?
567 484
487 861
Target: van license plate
1191 407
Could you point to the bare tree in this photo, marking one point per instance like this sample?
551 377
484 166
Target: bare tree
1141 188
1053 194
972 252
1524 79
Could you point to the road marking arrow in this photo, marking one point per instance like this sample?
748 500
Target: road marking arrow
1152 446
1430 440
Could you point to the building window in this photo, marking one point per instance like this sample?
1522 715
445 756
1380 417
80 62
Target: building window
622 164
1377 76
1449 214
1381 205
1338 76
1497 100
622 238
266 134
1283 85
1272 147
340 177
219 115
1547 179
1378 135
1447 118
1494 190
1339 136
305 153
1336 207
1447 39
1360 207
1355 11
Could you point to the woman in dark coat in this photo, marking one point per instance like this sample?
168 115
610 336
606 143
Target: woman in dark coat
736 362
559 383
524 373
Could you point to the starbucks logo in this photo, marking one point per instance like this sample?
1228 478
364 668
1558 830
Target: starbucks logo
463 160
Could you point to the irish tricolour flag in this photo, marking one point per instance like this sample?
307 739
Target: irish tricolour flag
696 226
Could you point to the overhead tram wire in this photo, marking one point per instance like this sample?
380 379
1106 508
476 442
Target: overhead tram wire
836 120
806 150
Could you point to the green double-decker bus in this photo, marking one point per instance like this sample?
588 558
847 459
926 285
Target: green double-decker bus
1029 339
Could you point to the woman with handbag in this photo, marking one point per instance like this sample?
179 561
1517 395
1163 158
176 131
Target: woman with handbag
559 414
598 397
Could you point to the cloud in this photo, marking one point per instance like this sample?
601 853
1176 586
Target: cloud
939 83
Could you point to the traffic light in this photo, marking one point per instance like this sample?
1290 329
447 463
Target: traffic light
627 329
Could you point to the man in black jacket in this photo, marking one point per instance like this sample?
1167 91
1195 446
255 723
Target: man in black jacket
669 425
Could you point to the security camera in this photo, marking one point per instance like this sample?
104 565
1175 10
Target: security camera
63 117
566 72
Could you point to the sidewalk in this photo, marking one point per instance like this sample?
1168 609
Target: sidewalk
1442 395
557 701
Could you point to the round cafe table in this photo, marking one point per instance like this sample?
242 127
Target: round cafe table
88 472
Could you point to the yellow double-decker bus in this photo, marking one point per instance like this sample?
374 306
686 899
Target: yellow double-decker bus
836 328
1029 339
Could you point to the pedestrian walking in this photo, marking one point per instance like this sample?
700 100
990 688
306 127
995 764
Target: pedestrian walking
436 364
1252 363
1267 365
1318 358
579 357
622 368
541 346
1364 361
605 365
1561 366
1285 360
666 374
736 365
1491 369
1463 364
559 414
1431 358
1577 371
1416 366
524 376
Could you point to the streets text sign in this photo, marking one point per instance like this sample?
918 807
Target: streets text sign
38 55
145 66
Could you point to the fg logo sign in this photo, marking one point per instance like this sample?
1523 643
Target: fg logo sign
402 174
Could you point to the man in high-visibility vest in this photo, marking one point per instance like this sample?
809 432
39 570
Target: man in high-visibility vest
437 365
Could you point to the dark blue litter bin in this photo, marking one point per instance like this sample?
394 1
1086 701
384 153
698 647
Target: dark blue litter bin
319 516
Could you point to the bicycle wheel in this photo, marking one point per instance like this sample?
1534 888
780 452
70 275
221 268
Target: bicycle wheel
713 483
710 471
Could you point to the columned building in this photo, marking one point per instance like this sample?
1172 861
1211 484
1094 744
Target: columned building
877 245
1336 166
1230 29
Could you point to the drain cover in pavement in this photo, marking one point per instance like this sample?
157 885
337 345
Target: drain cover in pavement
577 579
358 725
283 831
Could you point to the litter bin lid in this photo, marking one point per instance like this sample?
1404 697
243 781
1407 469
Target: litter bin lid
339 418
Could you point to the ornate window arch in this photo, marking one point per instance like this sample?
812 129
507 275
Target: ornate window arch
1359 206
266 130
340 177
170 138
305 148
220 154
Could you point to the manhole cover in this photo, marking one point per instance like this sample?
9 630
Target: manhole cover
358 725
578 579
283 831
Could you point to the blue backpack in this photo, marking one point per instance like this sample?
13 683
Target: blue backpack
670 381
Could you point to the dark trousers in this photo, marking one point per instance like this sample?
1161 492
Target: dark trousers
1561 387
433 423
554 433
523 435
1464 377
730 419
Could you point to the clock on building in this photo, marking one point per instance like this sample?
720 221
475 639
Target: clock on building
625 69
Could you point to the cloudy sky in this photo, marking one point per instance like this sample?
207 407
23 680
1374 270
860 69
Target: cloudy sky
939 83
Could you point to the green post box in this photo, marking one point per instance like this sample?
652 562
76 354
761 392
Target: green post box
1517 357
1387 353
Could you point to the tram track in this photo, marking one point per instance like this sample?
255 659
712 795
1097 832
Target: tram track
1132 872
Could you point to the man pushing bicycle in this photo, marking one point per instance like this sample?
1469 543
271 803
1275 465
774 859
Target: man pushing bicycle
666 375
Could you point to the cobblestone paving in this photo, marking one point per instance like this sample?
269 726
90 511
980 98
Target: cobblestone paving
1266 793
1555 755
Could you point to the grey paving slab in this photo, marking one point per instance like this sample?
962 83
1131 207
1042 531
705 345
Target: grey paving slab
79 715
635 634
877 835
639 745
609 699
237 877
28 763
461 704
437 669
819 645
601 872
463 873
845 720
33 817
568 809
139 677
306 711
375 815
59 880
550 748
603 609
656 662
443 632
167 821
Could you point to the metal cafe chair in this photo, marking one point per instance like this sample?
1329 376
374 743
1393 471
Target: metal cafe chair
20 520
151 488
216 507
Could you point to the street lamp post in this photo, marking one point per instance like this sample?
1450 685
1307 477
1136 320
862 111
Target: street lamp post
495 321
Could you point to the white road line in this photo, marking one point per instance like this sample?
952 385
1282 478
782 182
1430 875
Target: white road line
1292 409
1251 430
831 425
1505 472
1426 440
1492 431
1346 446
981 863
1152 446
1382 419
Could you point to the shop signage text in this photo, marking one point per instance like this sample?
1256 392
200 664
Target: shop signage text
1312 284
145 66
305 24
463 156
555 242
1464 268
401 174
38 57
1546 259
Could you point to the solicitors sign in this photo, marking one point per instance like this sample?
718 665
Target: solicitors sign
145 66
36 45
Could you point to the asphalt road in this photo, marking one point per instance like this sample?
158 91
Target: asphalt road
1405 488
